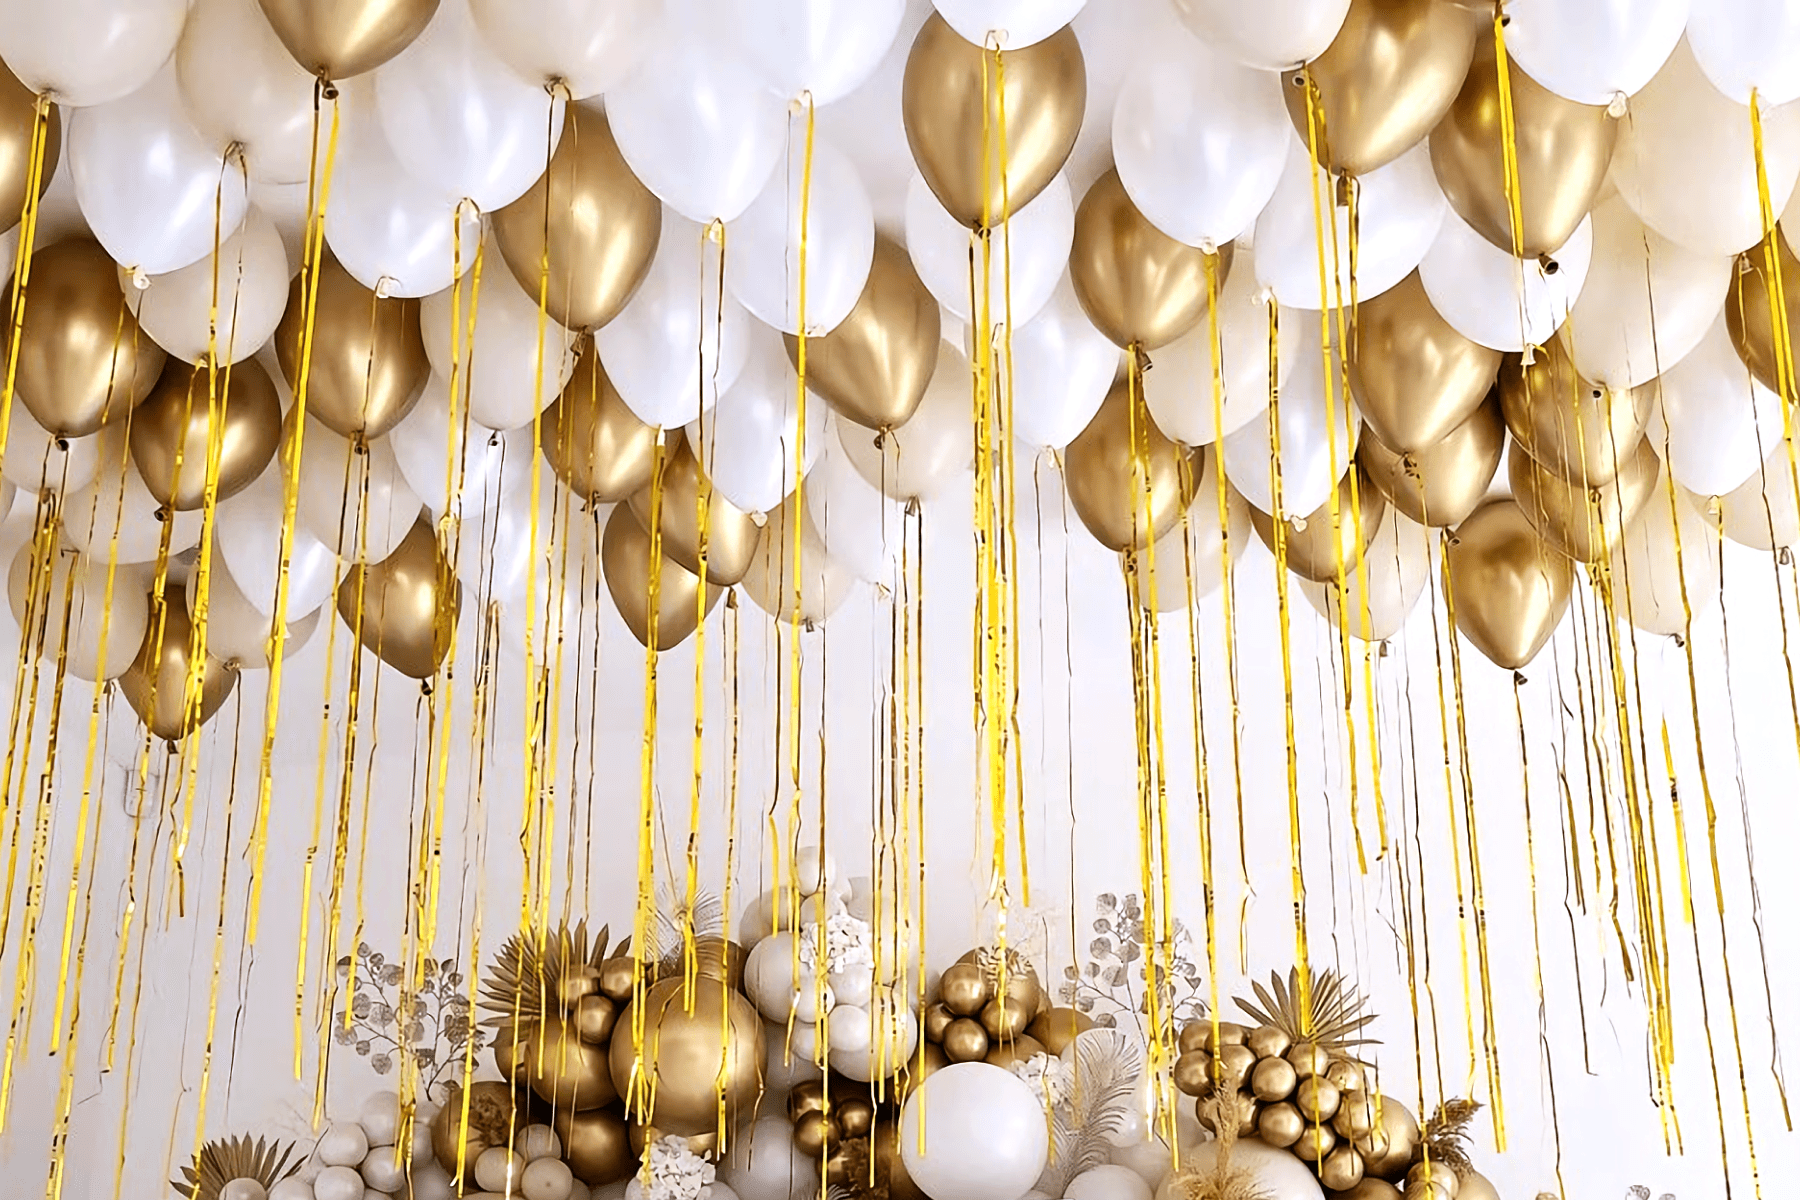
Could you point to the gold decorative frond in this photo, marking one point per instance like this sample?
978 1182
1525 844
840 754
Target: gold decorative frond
527 975
1226 1180
1446 1134
990 959
226 1159
1337 1010
675 916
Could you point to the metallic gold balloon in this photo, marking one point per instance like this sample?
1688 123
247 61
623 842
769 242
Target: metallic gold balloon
1013 1050
1268 1041
410 602
1005 1018
625 561
509 1051
731 534
1280 1125
952 105
716 958
964 989
156 684
1414 377
599 223
1128 495
579 981
1309 1059
175 422
699 1046
1316 1143
368 356
1369 1189
1314 548
566 1070
1584 523
1341 1169
1138 285
1747 315
808 1096
875 366
1229 1034
855 1115
1192 1072
83 361
937 1018
1347 1075
596 1145
1057 1027
815 1134
18 117
617 977
965 1041
1563 147
1443 483
595 1018
1388 76
1273 1079
493 1120
1578 430
1235 1065
594 443
1355 1117
1317 1098
336 39
1510 591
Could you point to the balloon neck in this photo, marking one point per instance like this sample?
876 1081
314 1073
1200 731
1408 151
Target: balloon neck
1528 356
384 287
1548 265
996 40
139 280
1618 105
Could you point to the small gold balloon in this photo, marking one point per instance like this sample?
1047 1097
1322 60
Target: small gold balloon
590 219
1235 1065
1346 1074
937 1019
617 977
594 443
625 561
1005 1018
595 1017
1017 1050
730 534
1434 1173
1228 1033
1400 1130
954 106
565 1070
83 361
1583 523
1316 1142
1476 1186
1355 1116
702 1048
492 1120
1443 483
177 422
409 602
1057 1027
1578 430
1267 1041
1273 1079
1317 1098
963 989
157 683
1193 1036
1369 1189
1138 285
368 357
965 1041
18 117
1414 377
807 1096
1309 1060
596 1145
815 1134
1342 1169
336 39
1747 316
1389 75
1510 589
1280 1125
1129 483
1193 1072
579 981
1315 547
855 1115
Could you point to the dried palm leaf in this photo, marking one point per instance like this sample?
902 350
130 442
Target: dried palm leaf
1106 1073
527 975
1337 1010
706 917
220 1162
1445 1136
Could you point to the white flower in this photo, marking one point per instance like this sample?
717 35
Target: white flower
849 943
674 1173
1049 1077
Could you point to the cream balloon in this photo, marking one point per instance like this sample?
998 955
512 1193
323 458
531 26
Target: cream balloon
588 47
762 1162
917 460
102 638
35 461
242 88
1492 298
1033 245
1317 447
860 527
1748 47
824 581
1272 35
249 542
238 633
117 505
353 500
1667 565
763 245
1393 574
460 471
1713 423
178 310
1762 512
1271 1171
1189 559
889 1038
1062 368
823 49
1010 24
985 1135
285 206
750 442
1593 51
87 52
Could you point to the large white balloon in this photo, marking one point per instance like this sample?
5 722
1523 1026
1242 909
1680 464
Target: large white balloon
249 540
590 46
1316 448
184 315
1592 51
154 192
237 631
1395 568
1491 297
763 245
1399 212
1062 368
823 47
749 442
35 460
462 471
858 525
1273 1172
1270 34
1713 423
102 637
510 372
764 1164
565 591
1667 565
117 509
936 444
1033 247
354 501
1012 24
243 88
86 52
1194 549
1747 46
972 1131
1762 512
1199 141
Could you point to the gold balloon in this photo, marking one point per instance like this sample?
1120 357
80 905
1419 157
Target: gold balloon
885 1146
964 989
625 561
1747 314
565 1070
1192 1072
1510 592
1280 1125
618 978
731 534
1390 1148
156 684
1476 1186
1341 1169
18 117
596 1145
716 958
1013 1050
410 602
1273 1079
1578 430
1268 1041
855 1116
1391 72
1128 495
1005 1019
594 443
965 1041
815 1134
951 103
336 39
368 356
1414 377
83 361
875 366
807 1096
509 1051
1058 1027
595 1018
1586 524
1314 548
175 422
1563 147
599 223
493 1120
1369 1189
1444 482
937 1018
1138 285
699 1046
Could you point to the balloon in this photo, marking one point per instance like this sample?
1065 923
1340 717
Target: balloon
699 127
1581 522
1510 589
1443 483
973 1132
953 111
1761 512
1317 445
173 431
1563 149
1399 213
1747 47
1581 432
596 1147
824 582
1139 286
1593 51
1492 298
462 470
702 1053
1273 1172
1062 368
37 460
916 461
750 441
1316 548
336 39
181 313
1128 482
824 49
404 607
249 541
1273 35
874 367
117 510
598 236
1685 161
1013 24
238 633
1395 568
585 46
168 691
593 442
1414 377
82 359
625 560
893 1040
1669 557
1713 422
100 637
1199 141
729 534
241 88
87 52
1748 304
18 118
763 1164
368 364
763 245
1646 304
352 497
678 344
1107 1182
1194 549
860 526
1027 258
1391 72
460 120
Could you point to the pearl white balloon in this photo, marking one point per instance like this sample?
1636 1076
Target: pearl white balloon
749 442
379 1116
244 1189
1317 447
338 1183
509 371
565 596
118 505
985 1136
769 978
538 1141
762 1163
1107 1182
1033 245
429 1181
589 46
251 274
812 1003
1669 555
1761 512
498 554
1492 298
853 986
850 1030
236 631
1591 51
103 638
937 443
1062 368
1395 568
1014 24
1399 212
860 527
1713 423
384 1170
296 1188
249 541
86 52
1149 1158
824 580
546 1179
336 481
243 88
1271 34
1194 548
893 1038
1274 1172
36 461
1747 46
344 1144
823 47
498 1169
1199 141
154 192
484 465
763 245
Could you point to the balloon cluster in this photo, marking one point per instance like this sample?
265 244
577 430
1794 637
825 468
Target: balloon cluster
371 1153
987 1003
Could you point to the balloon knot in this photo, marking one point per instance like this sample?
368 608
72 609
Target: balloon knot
139 280
384 287
558 87
424 687
1528 355
760 520
912 507
996 40
1786 557
1299 524
1550 265
162 514
62 443
1208 247
1618 106
801 102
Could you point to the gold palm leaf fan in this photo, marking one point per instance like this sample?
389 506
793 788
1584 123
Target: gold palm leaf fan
1337 1011
531 978
219 1162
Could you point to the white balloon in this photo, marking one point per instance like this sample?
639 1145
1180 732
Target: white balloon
1107 1182
251 275
463 477
763 245
249 541
498 554
1399 213
1271 34
1062 368
539 1141
154 192
749 442
674 348
892 1038
285 206
1761 512
1014 25
1113 36
237 632
429 1181
355 502
1036 241
825 47
546 1179
384 1170
769 977
244 1188
509 372
338 1183
972 1131
937 443
762 1163
1747 46
1199 141
1313 443
1273 1172
1714 423
1491 297
565 591
824 581
343 1144
103 638
243 88
860 527
590 46
1591 51
699 127
1686 163
1194 549
498 1169
86 52
1667 565
1647 301
36 460
1396 566
1149 1158
118 505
